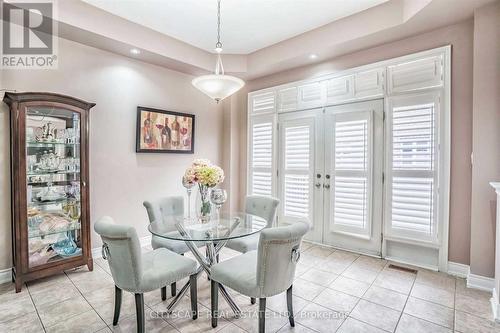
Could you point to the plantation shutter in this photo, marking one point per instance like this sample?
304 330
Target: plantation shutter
261 156
351 179
413 176
297 146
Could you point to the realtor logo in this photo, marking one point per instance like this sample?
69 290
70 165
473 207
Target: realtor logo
28 35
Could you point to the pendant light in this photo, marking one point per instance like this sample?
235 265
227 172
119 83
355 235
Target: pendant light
218 85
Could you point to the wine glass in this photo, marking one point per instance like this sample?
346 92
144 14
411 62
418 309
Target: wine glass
189 188
218 197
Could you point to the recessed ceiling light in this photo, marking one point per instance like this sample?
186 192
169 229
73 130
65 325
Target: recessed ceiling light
313 56
135 51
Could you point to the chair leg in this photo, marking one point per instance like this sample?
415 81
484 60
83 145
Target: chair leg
163 293
262 315
139 312
173 288
252 300
193 291
290 306
214 295
118 305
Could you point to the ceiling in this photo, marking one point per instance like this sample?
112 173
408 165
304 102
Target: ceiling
247 25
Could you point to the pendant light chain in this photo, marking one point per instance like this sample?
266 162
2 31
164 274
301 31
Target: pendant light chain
218 45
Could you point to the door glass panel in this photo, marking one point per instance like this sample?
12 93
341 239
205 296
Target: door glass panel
53 181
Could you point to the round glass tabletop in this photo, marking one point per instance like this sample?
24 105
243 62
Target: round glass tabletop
229 226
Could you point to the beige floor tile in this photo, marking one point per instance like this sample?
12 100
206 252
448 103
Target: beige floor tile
54 293
386 297
343 255
479 306
320 251
319 277
105 330
8 292
335 266
352 325
54 314
181 310
336 300
467 323
305 289
410 324
370 263
297 329
305 245
231 328
103 263
88 322
360 274
16 307
310 260
440 296
432 312
278 303
376 315
394 282
301 269
103 302
41 284
461 288
436 280
319 318
250 322
28 323
88 282
350 286
152 324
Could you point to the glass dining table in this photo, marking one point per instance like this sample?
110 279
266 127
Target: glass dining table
213 235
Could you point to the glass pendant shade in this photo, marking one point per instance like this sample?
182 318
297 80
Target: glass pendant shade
218 86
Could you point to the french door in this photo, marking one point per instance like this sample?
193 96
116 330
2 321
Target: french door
330 174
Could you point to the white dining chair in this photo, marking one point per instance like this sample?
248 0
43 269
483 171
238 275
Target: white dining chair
268 271
138 273
164 209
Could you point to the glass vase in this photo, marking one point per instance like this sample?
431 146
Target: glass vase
203 204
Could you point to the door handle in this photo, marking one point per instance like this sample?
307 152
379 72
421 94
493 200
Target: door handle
327 186
318 185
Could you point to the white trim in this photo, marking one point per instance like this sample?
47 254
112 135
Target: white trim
480 282
495 306
457 269
97 253
5 275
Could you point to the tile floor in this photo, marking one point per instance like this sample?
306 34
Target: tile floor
335 291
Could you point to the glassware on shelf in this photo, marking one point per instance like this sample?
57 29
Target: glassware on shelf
50 194
218 197
49 161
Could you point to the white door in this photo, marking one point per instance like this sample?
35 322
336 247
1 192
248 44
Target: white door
353 150
300 165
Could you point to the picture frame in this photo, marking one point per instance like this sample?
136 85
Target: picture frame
163 131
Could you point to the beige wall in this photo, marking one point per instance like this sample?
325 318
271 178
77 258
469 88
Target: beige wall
486 140
460 36
120 179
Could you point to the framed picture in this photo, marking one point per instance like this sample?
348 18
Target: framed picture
161 131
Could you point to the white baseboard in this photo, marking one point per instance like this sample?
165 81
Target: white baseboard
457 269
144 241
495 306
480 282
5 275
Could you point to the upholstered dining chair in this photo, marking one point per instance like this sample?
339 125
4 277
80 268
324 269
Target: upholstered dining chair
263 207
138 273
268 271
162 210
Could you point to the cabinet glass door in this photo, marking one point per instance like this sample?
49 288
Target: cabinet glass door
53 184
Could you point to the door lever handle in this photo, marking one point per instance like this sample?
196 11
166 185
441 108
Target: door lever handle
318 185
327 186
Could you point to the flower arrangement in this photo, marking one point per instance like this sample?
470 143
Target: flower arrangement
207 176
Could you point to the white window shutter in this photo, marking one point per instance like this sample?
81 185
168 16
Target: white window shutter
261 145
412 137
351 179
297 146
